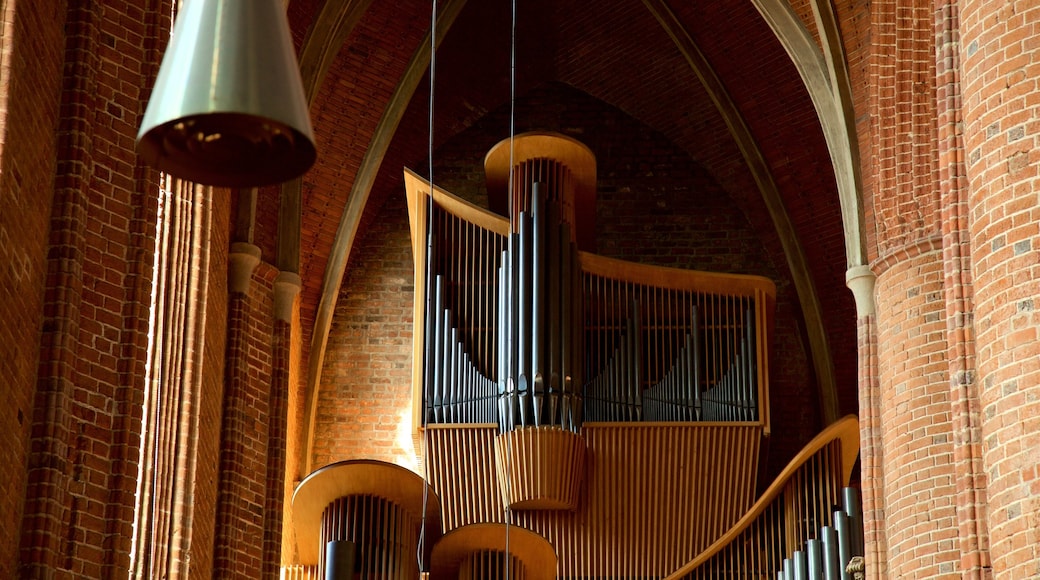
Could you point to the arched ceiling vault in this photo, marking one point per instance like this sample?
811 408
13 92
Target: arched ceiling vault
795 196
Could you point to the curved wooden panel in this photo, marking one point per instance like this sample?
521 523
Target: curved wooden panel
384 534
478 550
654 495
540 468
510 155
375 480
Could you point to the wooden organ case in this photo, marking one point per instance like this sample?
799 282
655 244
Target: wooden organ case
615 408
581 417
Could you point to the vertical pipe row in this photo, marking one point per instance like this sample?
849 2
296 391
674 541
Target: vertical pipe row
536 321
458 352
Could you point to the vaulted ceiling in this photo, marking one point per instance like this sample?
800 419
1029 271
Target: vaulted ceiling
756 92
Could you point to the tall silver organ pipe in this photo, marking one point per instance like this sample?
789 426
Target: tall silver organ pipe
538 307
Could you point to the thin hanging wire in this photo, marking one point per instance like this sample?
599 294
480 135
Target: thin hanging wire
420 549
512 103
513 212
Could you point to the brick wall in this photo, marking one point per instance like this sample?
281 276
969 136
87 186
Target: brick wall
1001 62
211 398
88 391
915 243
294 420
871 454
242 491
364 410
29 109
973 534
916 433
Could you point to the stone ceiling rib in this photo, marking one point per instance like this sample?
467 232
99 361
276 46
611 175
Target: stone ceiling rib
826 77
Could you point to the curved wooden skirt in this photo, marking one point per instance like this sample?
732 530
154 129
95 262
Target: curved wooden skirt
377 505
540 468
481 551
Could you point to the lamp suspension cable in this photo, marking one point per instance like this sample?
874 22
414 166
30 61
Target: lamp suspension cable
420 549
512 212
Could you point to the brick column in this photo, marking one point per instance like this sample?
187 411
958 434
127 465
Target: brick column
973 540
86 417
862 282
916 432
243 464
1000 52
913 397
286 289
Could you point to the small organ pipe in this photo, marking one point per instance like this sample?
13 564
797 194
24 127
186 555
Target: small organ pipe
538 270
814 558
841 524
695 358
636 358
524 291
831 566
438 370
852 507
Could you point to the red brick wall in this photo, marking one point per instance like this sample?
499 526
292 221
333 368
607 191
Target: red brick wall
364 410
86 417
29 111
242 490
902 160
916 433
973 534
915 243
1001 62
871 455
211 399
295 409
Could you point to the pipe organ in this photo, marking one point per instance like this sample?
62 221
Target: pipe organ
582 416
524 327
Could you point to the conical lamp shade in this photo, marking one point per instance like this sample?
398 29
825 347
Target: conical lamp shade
228 107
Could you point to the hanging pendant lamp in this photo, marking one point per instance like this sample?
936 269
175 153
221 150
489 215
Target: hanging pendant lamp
228 107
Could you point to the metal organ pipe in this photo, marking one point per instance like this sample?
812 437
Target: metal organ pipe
523 330
535 317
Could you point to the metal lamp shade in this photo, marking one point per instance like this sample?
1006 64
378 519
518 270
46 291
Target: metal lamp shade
228 107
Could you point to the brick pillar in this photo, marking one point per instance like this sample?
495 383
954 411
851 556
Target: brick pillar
862 282
973 540
86 421
1000 52
243 465
916 432
29 117
913 371
286 288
